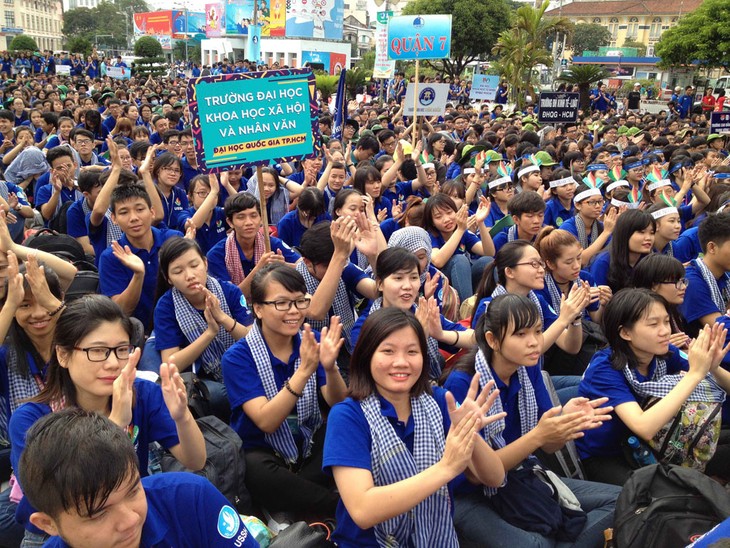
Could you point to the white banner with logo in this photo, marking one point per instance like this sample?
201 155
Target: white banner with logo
432 99
383 68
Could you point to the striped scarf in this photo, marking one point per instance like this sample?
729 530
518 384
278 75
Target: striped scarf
341 306
113 232
527 404
429 523
278 204
555 293
193 325
580 227
434 356
661 384
233 258
719 298
500 290
512 233
20 388
308 415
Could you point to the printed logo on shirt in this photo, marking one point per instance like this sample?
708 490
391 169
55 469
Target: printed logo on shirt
228 522
462 248
243 301
133 432
559 221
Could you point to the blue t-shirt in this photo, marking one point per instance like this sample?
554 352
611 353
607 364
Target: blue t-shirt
208 520
115 277
556 214
151 421
398 192
173 205
290 229
687 246
241 377
188 172
43 195
698 299
168 333
548 314
349 442
495 214
76 220
466 244
602 380
217 258
569 226
207 235
599 268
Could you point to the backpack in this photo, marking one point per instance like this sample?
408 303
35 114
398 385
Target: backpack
59 221
667 506
225 465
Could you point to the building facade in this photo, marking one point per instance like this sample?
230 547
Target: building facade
42 20
628 20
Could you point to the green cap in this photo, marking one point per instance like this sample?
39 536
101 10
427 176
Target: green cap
714 136
623 130
376 128
178 104
468 152
528 127
544 158
633 132
492 156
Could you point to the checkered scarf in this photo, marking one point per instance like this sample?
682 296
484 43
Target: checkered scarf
429 523
113 232
193 325
233 258
719 298
434 356
500 290
308 415
20 388
413 238
555 293
341 306
278 204
580 226
527 404
661 384
512 233
4 191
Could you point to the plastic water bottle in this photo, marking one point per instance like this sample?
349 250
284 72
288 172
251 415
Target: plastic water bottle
641 453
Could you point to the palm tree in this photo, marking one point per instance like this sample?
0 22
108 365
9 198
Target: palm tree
522 47
583 76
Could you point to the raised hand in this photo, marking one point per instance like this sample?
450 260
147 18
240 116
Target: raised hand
343 232
477 401
460 443
308 351
123 391
485 205
462 218
593 411
330 343
16 290
431 284
173 391
127 258
36 278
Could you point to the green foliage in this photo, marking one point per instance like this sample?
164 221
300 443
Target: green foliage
23 43
194 53
146 46
645 84
326 84
589 37
79 44
105 19
368 61
702 35
474 29
355 79
583 76
523 46
640 47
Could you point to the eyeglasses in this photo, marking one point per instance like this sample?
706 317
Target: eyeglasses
201 194
594 203
83 142
534 263
101 353
503 188
171 170
681 283
285 306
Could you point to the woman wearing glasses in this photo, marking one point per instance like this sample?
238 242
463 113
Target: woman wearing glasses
93 367
664 275
166 172
274 377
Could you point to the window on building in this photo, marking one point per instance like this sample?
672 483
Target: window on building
9 2
613 27
656 28
633 30
597 20
9 18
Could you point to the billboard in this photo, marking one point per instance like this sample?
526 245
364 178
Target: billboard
215 20
319 19
153 23
239 16
195 22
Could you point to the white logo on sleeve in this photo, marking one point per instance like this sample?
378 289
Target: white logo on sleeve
228 522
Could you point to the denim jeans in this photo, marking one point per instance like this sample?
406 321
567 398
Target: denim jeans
464 275
34 540
151 357
566 386
479 525
11 532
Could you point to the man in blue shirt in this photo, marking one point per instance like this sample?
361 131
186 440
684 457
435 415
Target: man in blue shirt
110 506
684 103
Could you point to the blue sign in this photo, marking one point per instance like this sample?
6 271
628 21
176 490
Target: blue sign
246 119
720 122
11 30
419 37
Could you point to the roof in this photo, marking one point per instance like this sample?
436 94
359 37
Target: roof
626 7
615 60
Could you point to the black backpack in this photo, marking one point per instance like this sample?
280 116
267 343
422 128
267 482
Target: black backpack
225 466
59 221
667 506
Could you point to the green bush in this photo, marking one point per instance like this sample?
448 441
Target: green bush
23 43
146 46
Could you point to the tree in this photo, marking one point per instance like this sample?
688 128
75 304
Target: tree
23 43
367 62
147 46
79 44
522 47
474 29
326 85
583 76
702 36
640 47
151 61
589 37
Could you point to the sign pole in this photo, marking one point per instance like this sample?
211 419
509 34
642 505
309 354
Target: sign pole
264 213
415 106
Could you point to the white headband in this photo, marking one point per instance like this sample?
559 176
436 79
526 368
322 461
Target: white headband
499 182
586 194
617 184
562 182
469 170
526 170
619 203
653 186
664 212
429 165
